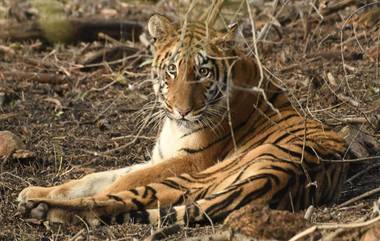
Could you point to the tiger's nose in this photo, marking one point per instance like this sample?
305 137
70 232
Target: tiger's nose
183 112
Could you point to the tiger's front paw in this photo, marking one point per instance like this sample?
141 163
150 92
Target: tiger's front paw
30 193
33 209
35 192
57 211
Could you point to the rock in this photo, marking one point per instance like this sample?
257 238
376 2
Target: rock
263 223
361 144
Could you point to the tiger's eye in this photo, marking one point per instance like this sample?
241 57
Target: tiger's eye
172 69
204 72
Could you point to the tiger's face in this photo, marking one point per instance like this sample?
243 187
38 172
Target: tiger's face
190 74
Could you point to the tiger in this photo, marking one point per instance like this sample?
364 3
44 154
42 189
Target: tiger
230 137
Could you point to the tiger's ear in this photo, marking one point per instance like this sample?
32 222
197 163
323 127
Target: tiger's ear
159 26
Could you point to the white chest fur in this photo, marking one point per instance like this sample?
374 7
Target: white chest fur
171 141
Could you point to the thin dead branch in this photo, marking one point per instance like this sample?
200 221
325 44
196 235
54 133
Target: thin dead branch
82 30
108 54
333 226
46 78
360 197
336 7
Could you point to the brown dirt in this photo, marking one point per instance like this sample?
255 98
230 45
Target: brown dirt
69 125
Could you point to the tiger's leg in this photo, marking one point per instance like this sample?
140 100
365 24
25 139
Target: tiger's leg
154 173
131 204
88 185
257 178
105 206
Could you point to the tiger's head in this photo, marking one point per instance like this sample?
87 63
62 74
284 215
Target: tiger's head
191 69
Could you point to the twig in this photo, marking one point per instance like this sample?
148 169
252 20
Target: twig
109 54
309 212
164 232
333 226
7 116
357 198
361 159
77 235
347 120
348 100
133 136
299 65
358 174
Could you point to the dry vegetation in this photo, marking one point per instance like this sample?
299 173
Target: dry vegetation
78 106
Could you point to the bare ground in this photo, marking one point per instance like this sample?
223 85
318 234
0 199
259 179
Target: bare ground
71 126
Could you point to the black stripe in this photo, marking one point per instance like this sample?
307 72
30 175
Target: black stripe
203 193
106 219
287 171
140 216
193 151
255 194
179 201
191 213
182 177
274 158
251 179
238 127
193 131
286 133
254 110
119 218
148 189
139 205
168 216
290 152
223 204
241 173
206 174
173 184
267 135
134 191
282 193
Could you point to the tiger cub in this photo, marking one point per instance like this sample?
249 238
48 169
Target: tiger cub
223 144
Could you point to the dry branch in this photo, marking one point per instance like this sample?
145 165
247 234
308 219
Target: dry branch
357 198
49 78
335 7
71 30
108 54
334 226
